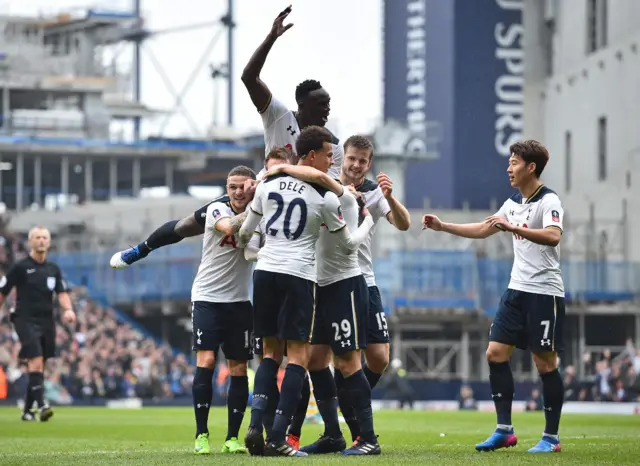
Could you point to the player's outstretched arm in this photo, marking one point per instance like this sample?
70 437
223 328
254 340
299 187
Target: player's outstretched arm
258 90
465 230
310 175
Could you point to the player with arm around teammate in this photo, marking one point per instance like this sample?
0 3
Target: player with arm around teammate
378 198
192 225
340 333
222 313
282 125
284 282
532 309
36 281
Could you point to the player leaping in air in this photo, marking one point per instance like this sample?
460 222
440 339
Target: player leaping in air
531 311
281 129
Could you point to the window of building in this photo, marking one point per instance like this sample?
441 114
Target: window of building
602 148
596 25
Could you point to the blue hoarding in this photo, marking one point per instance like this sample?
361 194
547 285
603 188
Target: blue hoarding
456 65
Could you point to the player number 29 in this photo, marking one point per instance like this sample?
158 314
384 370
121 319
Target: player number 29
345 327
286 228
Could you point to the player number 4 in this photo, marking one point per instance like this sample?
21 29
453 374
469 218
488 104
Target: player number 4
345 327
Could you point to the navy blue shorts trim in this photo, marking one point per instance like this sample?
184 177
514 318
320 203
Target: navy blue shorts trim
342 315
529 321
284 306
223 325
378 330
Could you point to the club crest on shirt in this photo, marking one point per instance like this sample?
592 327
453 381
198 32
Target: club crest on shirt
555 216
216 214
51 283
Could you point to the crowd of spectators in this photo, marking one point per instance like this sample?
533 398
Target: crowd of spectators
102 357
606 378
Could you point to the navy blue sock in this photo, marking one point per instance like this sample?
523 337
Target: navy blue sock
237 398
324 389
202 394
372 377
502 389
301 410
272 404
36 387
359 393
289 398
553 397
266 372
348 413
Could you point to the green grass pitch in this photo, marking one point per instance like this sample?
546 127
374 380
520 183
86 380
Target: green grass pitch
164 436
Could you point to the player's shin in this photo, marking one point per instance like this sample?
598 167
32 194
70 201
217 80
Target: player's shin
502 389
289 398
265 374
553 395
324 389
272 404
372 377
295 429
202 394
236 404
348 413
359 396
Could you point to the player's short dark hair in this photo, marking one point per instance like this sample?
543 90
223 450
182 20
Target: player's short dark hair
311 138
305 88
242 170
359 142
279 153
531 152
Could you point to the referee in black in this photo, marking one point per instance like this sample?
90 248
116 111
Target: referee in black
36 280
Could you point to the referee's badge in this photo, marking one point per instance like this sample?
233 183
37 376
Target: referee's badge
51 283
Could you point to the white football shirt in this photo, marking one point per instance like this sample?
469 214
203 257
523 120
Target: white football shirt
333 264
293 212
379 208
536 268
224 276
281 130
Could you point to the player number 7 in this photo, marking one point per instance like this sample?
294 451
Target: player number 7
545 324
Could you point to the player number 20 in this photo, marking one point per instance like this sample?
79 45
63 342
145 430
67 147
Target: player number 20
286 228
344 327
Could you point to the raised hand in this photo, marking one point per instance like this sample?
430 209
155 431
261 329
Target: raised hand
279 27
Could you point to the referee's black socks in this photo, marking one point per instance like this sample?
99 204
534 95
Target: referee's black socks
35 391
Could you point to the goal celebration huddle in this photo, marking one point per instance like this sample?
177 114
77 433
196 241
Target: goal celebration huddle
299 234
